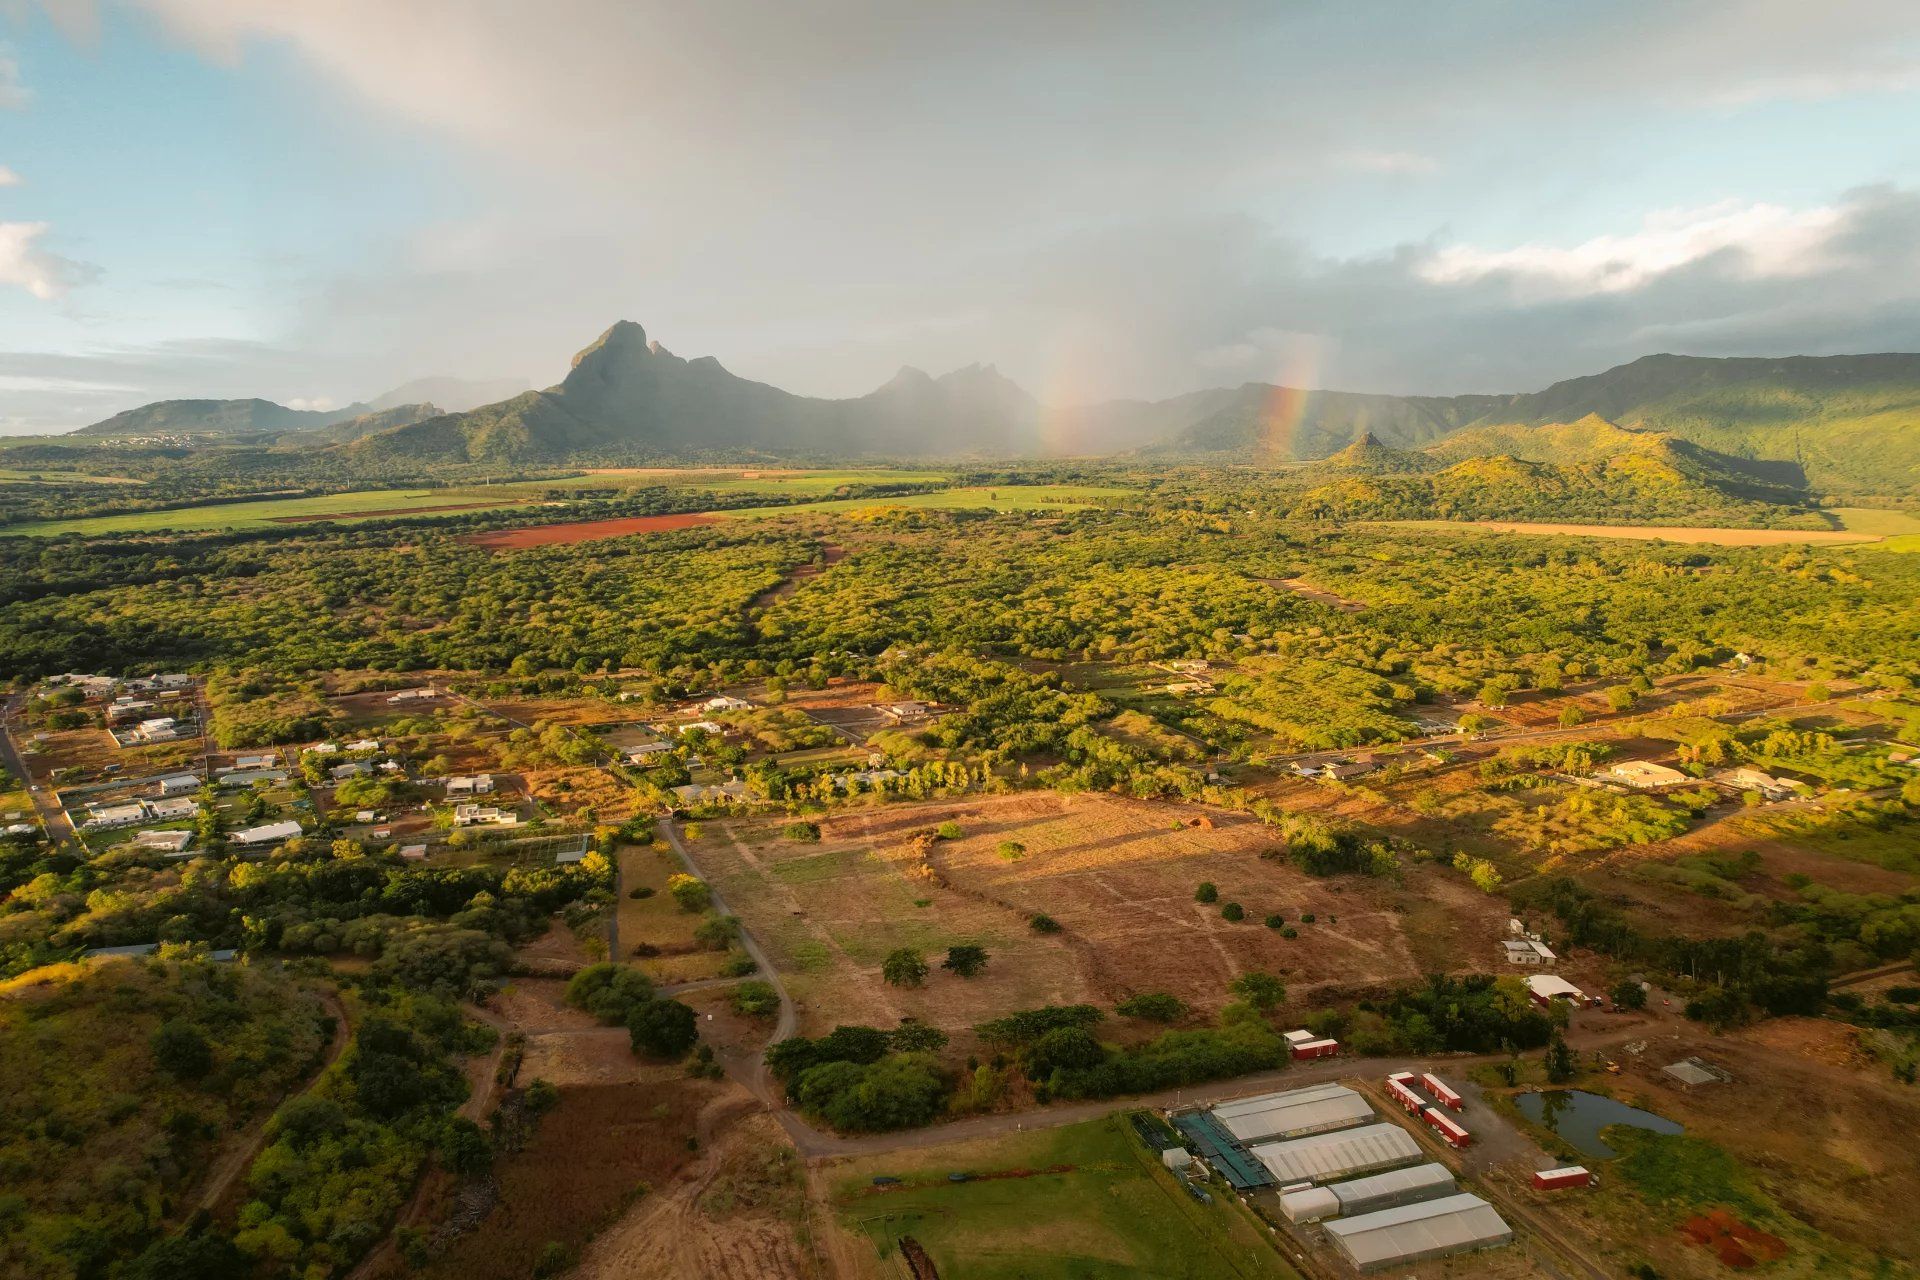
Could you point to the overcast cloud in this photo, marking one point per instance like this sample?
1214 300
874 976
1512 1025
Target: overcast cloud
1105 201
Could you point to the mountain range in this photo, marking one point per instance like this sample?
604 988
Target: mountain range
1845 423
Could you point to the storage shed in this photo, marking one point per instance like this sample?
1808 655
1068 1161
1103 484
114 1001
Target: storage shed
1306 1049
1294 1113
1325 1157
1413 1233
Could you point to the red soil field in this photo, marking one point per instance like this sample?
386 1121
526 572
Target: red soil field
542 535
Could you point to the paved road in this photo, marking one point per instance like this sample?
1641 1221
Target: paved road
52 816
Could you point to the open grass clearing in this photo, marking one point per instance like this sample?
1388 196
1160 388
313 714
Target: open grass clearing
1087 1201
1642 533
368 504
1005 497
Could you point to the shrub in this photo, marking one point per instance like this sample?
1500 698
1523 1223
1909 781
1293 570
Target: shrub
949 831
717 932
1206 892
662 1028
966 960
1233 912
690 892
181 1051
1012 850
608 991
641 892
756 999
1306 917
806 832
1043 923
903 967
1155 1006
1261 990
1276 921
738 966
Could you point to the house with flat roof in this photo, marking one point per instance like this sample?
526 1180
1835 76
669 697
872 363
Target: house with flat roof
726 703
1643 775
271 833
164 841
477 785
173 809
1527 951
107 817
179 784
474 815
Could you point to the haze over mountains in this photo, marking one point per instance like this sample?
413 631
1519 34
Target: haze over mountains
1846 422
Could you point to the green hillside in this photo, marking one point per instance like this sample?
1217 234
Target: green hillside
216 418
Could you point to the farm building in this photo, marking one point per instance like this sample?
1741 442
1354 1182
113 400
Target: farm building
1556 1179
1325 1157
1643 775
1298 1037
414 852
271 833
1366 1195
1303 1050
1400 1089
1294 1113
1411 1233
1692 1071
1219 1149
1528 951
411 695
1545 989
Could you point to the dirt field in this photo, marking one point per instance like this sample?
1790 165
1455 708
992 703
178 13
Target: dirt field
1825 1132
602 1149
543 535
1314 594
1649 533
1116 875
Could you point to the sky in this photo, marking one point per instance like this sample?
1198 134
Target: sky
315 200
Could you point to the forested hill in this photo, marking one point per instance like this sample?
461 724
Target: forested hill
251 417
626 394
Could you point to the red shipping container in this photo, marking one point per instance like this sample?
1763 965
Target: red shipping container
1454 1135
1438 1088
1315 1049
1406 1097
1555 1179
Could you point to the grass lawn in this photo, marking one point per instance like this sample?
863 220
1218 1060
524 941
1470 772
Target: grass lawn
1900 528
1115 1214
1005 497
9 475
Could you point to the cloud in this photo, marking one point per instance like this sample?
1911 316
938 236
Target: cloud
320 403
14 94
8 178
1393 162
25 265
1756 239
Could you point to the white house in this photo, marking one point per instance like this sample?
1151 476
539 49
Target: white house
1546 988
164 841
179 784
256 762
158 729
644 753
1748 778
711 793
324 748
473 815
411 695
271 833
1528 951
351 769
170 810
726 703
364 744
116 815
479 784
706 725
1643 775
902 712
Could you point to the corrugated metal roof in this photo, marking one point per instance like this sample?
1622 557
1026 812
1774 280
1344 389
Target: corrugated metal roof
1412 1232
1218 1148
1297 1112
1399 1186
1326 1156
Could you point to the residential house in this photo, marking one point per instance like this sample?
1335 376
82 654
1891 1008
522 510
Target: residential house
644 753
173 810
1761 783
903 712
106 817
1643 775
19 829
364 744
173 680
473 815
351 769
1528 951
725 703
711 793
247 777
479 784
179 784
706 725
1190 666
1186 688
271 833
164 841
121 710
158 729
414 852
324 749
256 762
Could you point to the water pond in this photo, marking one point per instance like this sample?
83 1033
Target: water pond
1579 1117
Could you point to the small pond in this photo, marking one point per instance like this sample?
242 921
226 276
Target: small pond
1579 1117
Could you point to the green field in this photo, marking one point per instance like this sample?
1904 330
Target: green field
9 475
1901 529
1006 497
1115 1214
376 503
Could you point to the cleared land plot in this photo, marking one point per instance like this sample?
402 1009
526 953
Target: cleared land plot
1006 497
10 475
1086 1202
1642 533
655 934
360 505
1116 875
545 535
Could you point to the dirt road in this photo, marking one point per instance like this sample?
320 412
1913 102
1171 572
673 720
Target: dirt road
52 817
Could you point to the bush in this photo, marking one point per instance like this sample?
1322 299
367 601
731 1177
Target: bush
690 892
903 967
1206 892
1233 912
966 961
642 892
1276 921
756 999
717 932
1012 850
1155 1006
1628 995
900 1091
662 1028
949 831
806 832
1261 990
181 1051
1043 923
739 966
610 992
